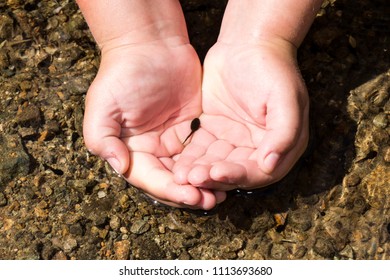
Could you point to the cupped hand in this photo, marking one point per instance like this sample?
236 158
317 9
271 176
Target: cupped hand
254 125
138 112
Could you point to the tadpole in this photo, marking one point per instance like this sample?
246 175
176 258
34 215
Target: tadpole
195 124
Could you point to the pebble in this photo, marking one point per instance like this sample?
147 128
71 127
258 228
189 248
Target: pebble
78 85
139 227
69 245
380 120
278 252
386 155
174 223
82 185
60 256
3 200
115 222
235 245
123 230
360 205
347 252
351 180
299 220
299 252
122 249
4 61
29 116
76 229
324 248
124 201
6 26
14 162
101 194
125 237
262 222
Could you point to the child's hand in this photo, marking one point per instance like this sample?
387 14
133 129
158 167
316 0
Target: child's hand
255 117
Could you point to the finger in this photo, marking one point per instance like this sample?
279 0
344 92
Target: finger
149 174
246 174
288 161
183 166
216 151
240 169
209 200
167 162
101 135
285 124
165 140
199 175
220 196
228 173
194 150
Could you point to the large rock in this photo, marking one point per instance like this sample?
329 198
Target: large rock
14 162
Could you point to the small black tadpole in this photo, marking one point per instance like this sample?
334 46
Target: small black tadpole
195 124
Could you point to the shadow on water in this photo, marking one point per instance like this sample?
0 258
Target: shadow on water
335 58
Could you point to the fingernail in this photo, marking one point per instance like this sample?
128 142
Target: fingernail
115 164
271 161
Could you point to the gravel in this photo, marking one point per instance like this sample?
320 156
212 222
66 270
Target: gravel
59 202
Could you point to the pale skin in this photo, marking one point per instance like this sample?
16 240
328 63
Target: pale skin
249 97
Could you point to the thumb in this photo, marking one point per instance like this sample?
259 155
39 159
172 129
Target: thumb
286 130
102 136
111 149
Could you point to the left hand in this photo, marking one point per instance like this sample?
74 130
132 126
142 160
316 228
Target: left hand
255 121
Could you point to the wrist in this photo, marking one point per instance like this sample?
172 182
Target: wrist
124 22
247 21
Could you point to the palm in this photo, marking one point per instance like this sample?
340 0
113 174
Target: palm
139 109
250 95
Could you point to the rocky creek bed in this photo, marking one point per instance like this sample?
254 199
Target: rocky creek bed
59 202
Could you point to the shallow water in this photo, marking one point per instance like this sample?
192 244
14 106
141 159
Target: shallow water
59 202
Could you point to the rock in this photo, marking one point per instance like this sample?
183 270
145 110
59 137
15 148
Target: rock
377 187
386 155
115 222
76 229
3 200
60 256
14 162
235 245
29 116
96 211
139 227
83 185
175 224
278 252
4 61
324 247
6 26
122 249
101 194
351 180
69 245
28 253
299 220
380 120
347 253
299 252
124 201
